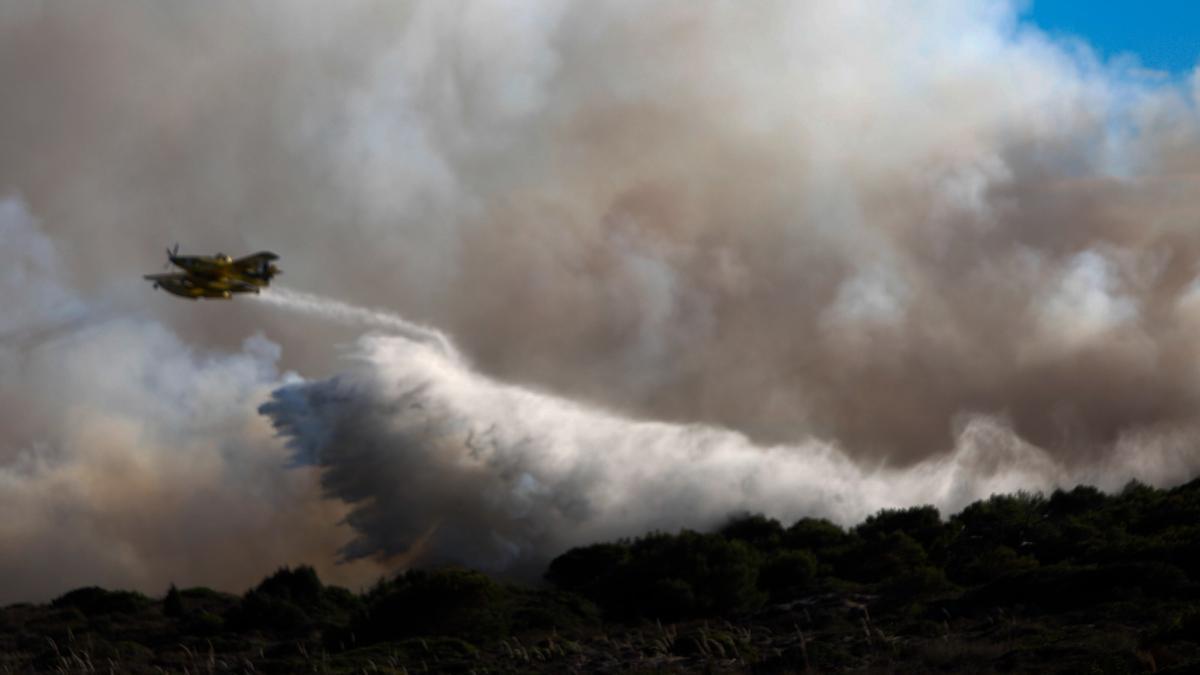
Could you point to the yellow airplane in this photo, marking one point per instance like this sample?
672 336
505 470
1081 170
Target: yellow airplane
218 276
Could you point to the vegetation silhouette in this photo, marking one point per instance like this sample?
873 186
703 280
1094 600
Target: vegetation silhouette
1077 581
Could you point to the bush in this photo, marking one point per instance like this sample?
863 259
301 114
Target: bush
1082 499
1061 587
788 574
546 609
588 570
293 601
764 534
173 603
669 599
262 611
817 535
450 601
991 564
919 582
883 557
93 600
722 574
663 576
203 623
300 586
922 524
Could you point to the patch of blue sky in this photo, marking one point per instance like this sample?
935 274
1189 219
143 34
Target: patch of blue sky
1158 38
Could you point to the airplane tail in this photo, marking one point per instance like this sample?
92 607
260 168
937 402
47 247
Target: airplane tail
267 271
171 253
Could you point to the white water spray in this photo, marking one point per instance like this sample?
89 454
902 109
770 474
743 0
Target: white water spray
336 310
443 464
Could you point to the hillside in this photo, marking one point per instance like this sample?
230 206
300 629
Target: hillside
1076 581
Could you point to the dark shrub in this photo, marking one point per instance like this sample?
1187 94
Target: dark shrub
588 570
1082 499
262 611
663 576
1011 520
764 534
1065 587
921 523
1018 522
300 586
722 574
919 582
788 574
545 609
667 599
93 600
991 564
451 601
203 623
817 535
292 601
883 557
173 603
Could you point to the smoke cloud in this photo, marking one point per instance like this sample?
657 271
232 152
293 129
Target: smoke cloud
805 258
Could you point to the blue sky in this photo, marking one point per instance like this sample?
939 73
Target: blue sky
1163 34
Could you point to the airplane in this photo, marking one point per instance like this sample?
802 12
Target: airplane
216 277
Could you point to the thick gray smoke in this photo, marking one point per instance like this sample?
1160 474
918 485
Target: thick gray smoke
854 243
